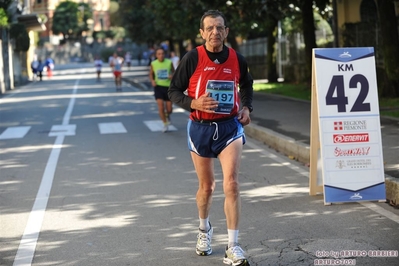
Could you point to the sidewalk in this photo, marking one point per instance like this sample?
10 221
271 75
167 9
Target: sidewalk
283 124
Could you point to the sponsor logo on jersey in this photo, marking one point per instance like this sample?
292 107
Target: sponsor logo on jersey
209 68
227 70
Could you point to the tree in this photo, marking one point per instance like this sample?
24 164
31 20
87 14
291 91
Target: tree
19 33
272 23
157 20
84 14
115 13
175 20
306 23
138 20
178 20
70 19
309 36
4 17
261 19
390 46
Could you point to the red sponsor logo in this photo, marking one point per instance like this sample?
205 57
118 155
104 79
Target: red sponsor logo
338 152
347 138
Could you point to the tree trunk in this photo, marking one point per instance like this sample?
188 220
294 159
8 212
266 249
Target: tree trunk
182 50
5 49
390 46
308 34
271 25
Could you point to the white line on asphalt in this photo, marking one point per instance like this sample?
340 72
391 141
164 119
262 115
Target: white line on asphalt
64 130
68 112
157 125
111 128
14 132
27 246
372 206
382 211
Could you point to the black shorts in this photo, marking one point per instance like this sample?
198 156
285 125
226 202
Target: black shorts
161 92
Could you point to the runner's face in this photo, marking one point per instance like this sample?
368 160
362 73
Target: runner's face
214 33
160 54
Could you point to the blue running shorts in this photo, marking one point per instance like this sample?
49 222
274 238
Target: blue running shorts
208 139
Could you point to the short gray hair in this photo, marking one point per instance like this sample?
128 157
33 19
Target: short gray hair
212 14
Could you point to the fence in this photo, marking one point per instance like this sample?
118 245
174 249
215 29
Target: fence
289 56
289 49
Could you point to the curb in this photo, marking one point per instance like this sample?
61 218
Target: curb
301 152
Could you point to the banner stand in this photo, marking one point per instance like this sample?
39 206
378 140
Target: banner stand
314 186
346 163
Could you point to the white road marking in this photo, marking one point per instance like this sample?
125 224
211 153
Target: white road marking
157 125
111 128
382 211
27 246
62 130
15 132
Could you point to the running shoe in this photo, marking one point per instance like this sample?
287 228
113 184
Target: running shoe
167 116
204 239
165 127
235 256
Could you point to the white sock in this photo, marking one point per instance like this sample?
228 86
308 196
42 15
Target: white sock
233 237
204 224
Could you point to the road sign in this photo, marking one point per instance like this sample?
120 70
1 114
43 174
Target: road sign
347 131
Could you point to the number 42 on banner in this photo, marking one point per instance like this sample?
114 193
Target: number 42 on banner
346 161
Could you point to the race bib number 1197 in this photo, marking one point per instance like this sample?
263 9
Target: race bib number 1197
223 92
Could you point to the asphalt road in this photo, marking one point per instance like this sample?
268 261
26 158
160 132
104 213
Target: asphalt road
88 178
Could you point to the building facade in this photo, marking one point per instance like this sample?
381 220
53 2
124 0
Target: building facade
361 15
100 10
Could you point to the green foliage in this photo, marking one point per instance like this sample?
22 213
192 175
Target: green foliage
4 4
20 35
114 13
118 32
70 19
103 34
65 19
323 26
106 53
3 18
159 20
139 20
43 18
155 21
84 14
